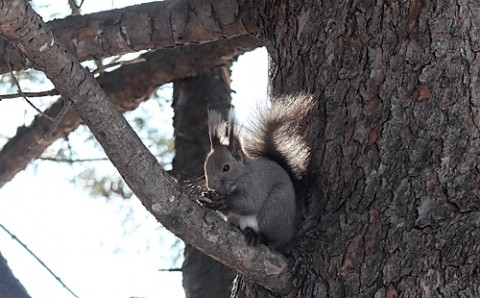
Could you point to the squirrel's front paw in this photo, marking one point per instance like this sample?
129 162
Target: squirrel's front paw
208 196
214 200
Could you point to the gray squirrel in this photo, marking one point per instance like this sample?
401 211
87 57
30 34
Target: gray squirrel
250 175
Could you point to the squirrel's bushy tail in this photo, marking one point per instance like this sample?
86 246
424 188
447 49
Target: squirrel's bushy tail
282 133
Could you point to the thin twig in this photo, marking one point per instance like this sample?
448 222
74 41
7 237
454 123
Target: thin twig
38 259
170 269
30 94
56 122
69 160
19 89
54 92
102 68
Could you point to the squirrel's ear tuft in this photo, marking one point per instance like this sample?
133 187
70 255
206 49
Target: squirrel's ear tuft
234 140
216 128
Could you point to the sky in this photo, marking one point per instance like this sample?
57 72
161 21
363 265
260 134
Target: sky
99 247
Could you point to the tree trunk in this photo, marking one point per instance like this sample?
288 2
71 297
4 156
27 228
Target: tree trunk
395 208
203 277
9 285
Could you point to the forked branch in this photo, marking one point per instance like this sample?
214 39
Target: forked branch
152 185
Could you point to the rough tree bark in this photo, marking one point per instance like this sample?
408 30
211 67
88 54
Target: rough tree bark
157 191
155 25
395 206
396 201
203 277
126 87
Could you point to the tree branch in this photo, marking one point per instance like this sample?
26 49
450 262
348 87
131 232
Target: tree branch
20 92
155 25
40 261
29 94
126 87
156 189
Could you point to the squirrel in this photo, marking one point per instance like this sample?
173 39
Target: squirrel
251 176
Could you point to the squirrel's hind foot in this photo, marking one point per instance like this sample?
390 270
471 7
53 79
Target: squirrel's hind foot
251 237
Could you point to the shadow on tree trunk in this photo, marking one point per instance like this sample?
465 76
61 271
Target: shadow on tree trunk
203 277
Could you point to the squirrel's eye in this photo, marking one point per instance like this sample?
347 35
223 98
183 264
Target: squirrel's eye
226 168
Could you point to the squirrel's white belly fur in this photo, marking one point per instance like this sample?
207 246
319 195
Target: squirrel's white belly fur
242 221
248 221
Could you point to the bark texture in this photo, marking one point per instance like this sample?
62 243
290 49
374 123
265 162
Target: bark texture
126 87
157 190
203 277
9 285
396 204
155 25
394 207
